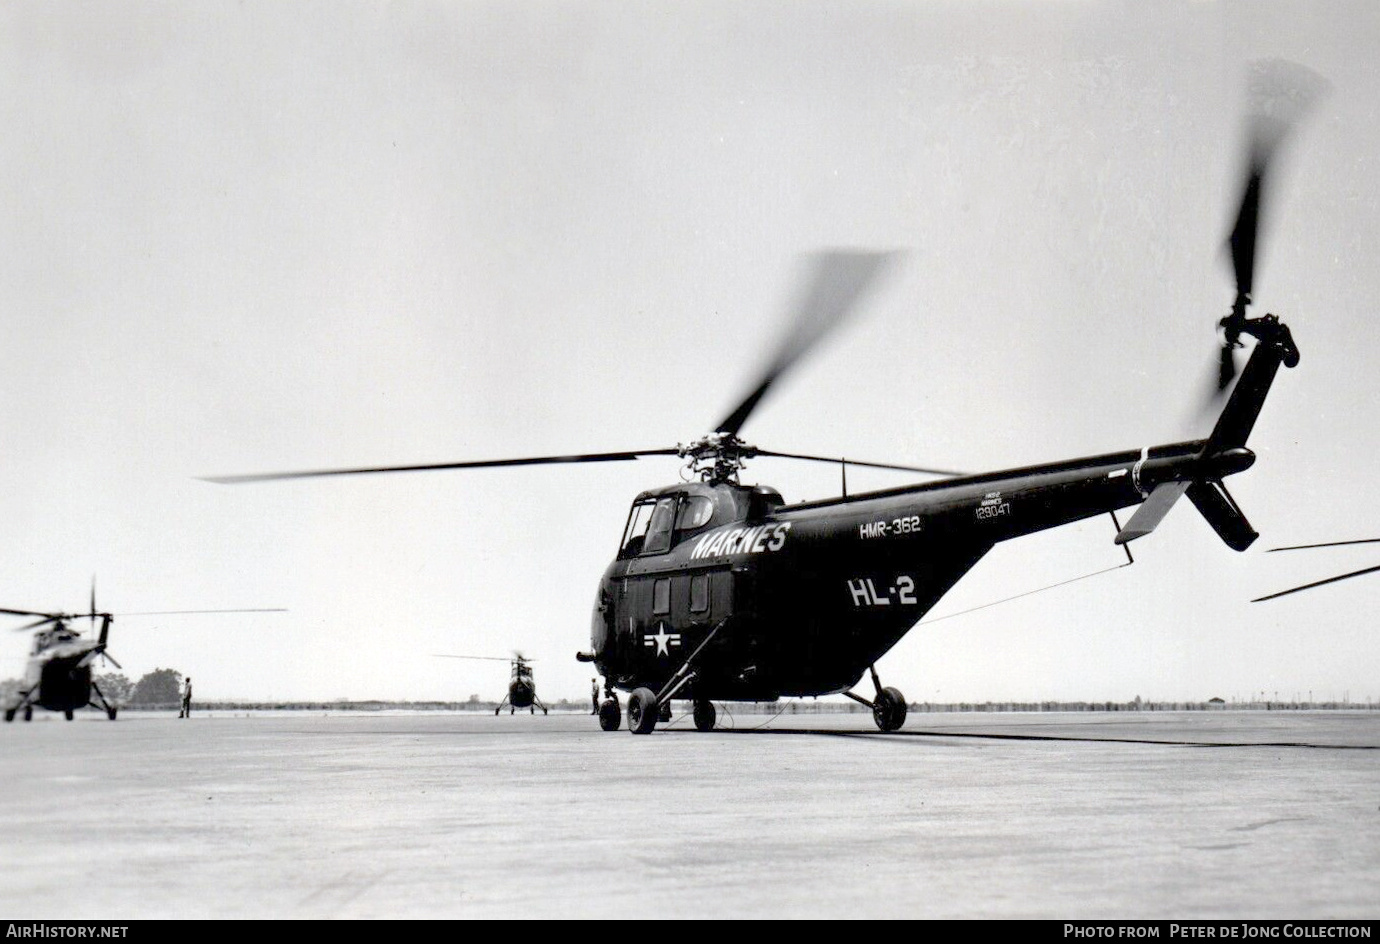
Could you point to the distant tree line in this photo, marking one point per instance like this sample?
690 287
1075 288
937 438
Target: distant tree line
159 688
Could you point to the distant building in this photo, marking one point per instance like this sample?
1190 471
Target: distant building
1216 702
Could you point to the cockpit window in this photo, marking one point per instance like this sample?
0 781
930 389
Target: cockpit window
659 531
695 512
635 536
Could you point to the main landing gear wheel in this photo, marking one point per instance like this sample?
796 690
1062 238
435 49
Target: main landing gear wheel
9 713
704 716
67 714
28 713
642 711
610 715
889 710
111 712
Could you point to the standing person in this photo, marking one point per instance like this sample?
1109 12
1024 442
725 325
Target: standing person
186 711
594 694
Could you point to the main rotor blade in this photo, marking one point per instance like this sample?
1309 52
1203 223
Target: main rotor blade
33 613
275 609
837 281
1281 95
1304 547
1318 583
486 464
36 624
857 462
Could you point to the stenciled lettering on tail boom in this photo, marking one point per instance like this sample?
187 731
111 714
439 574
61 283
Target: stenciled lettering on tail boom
755 540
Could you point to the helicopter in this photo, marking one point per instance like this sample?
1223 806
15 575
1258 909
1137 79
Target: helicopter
722 591
522 688
58 676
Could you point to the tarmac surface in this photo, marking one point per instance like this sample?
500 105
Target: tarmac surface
1066 816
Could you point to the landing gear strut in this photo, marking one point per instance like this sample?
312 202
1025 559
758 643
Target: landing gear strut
888 708
110 710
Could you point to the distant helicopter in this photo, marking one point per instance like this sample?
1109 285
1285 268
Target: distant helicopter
58 676
722 591
522 688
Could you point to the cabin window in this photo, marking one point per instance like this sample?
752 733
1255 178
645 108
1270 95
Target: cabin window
699 593
659 531
661 597
695 512
635 535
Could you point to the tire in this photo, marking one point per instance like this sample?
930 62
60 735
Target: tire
9 714
642 711
111 712
889 710
705 716
610 715
67 713
28 712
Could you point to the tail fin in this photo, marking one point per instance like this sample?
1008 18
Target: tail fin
1217 507
1275 347
1224 452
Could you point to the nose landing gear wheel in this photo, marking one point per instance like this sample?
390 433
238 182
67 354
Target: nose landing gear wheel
642 711
889 710
610 715
67 714
704 716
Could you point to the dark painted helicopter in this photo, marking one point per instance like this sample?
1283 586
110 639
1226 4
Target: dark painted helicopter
722 591
522 687
58 676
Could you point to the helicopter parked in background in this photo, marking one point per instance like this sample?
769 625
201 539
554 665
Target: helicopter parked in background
58 676
522 687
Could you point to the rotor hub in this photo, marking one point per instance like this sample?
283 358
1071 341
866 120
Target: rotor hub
716 457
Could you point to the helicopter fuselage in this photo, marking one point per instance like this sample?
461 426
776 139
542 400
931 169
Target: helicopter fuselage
61 675
806 597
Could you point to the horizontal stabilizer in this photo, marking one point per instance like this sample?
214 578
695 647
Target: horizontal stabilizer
1215 504
1152 511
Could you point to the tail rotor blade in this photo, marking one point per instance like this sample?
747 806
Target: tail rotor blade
1281 95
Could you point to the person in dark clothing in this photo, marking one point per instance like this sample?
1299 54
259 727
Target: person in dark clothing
186 711
594 694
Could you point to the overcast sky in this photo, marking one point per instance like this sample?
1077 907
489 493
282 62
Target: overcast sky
263 235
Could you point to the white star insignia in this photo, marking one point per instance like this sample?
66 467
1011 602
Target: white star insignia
662 640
